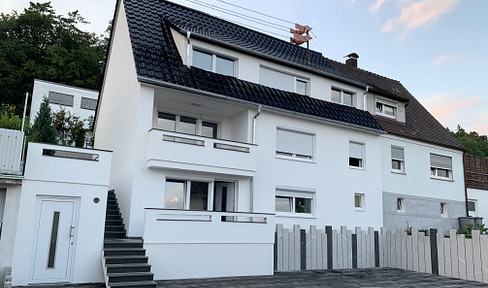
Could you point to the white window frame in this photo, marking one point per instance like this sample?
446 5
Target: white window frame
295 156
362 201
363 159
296 78
294 193
186 195
475 212
341 100
397 159
434 170
384 103
214 55
199 124
443 209
400 205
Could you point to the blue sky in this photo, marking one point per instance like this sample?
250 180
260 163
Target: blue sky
438 49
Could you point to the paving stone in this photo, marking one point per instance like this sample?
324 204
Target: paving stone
367 278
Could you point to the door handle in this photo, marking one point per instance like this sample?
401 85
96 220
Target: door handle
71 230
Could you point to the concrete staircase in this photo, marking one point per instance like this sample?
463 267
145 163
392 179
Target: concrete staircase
124 259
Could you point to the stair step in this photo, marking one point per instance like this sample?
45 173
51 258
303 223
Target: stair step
129 267
113 216
114 228
124 251
115 234
142 284
123 243
130 277
113 222
126 259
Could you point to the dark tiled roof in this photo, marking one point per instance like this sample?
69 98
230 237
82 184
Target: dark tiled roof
420 124
158 61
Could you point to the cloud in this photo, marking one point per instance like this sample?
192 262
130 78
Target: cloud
442 59
414 14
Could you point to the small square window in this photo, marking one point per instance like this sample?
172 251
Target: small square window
401 204
359 201
443 209
472 208
301 87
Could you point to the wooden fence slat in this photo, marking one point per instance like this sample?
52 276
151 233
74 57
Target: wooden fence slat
421 251
339 250
427 255
404 249
349 248
448 257
296 235
440 254
279 231
469 259
319 250
409 253
324 250
364 249
308 249
334 249
484 257
478 275
291 250
370 247
454 253
344 246
359 241
398 248
415 250
380 241
461 241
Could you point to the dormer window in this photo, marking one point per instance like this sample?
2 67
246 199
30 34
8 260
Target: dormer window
214 63
342 97
283 80
386 108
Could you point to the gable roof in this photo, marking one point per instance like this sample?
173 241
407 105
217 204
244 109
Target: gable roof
420 124
158 62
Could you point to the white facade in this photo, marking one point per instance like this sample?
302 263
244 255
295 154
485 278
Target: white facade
69 185
79 102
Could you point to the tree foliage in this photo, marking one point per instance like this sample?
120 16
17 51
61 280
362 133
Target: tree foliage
476 144
9 120
39 44
43 130
70 129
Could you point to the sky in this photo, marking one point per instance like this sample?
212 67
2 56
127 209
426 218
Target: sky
438 49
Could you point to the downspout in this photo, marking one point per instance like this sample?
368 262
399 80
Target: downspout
254 124
188 46
365 104
465 185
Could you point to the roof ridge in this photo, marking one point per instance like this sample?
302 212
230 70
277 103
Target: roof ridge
364 70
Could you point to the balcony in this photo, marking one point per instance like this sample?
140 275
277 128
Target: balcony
173 150
11 142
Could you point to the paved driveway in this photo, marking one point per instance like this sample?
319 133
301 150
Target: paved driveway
378 277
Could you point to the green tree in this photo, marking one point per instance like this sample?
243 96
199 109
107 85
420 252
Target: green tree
38 43
42 130
70 129
9 120
476 144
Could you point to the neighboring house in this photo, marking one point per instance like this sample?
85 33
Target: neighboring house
202 114
80 102
476 170
422 163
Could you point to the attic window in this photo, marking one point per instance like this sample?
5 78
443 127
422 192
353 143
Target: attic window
386 108
212 62
342 97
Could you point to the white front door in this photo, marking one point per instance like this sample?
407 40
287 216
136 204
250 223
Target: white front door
54 240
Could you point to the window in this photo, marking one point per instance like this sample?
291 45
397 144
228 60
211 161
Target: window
356 154
189 125
294 202
212 62
440 167
88 103
190 195
61 98
342 97
284 81
443 209
472 208
401 204
397 159
386 108
294 144
359 201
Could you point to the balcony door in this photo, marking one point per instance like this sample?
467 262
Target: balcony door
225 196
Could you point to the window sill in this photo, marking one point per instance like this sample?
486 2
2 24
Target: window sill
357 168
442 179
398 172
311 161
305 216
359 209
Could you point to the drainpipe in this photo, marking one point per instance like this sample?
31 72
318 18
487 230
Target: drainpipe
188 46
254 124
465 185
365 104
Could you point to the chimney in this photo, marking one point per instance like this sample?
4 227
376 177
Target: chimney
352 60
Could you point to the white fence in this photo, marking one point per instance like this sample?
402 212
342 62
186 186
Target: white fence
450 255
11 151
